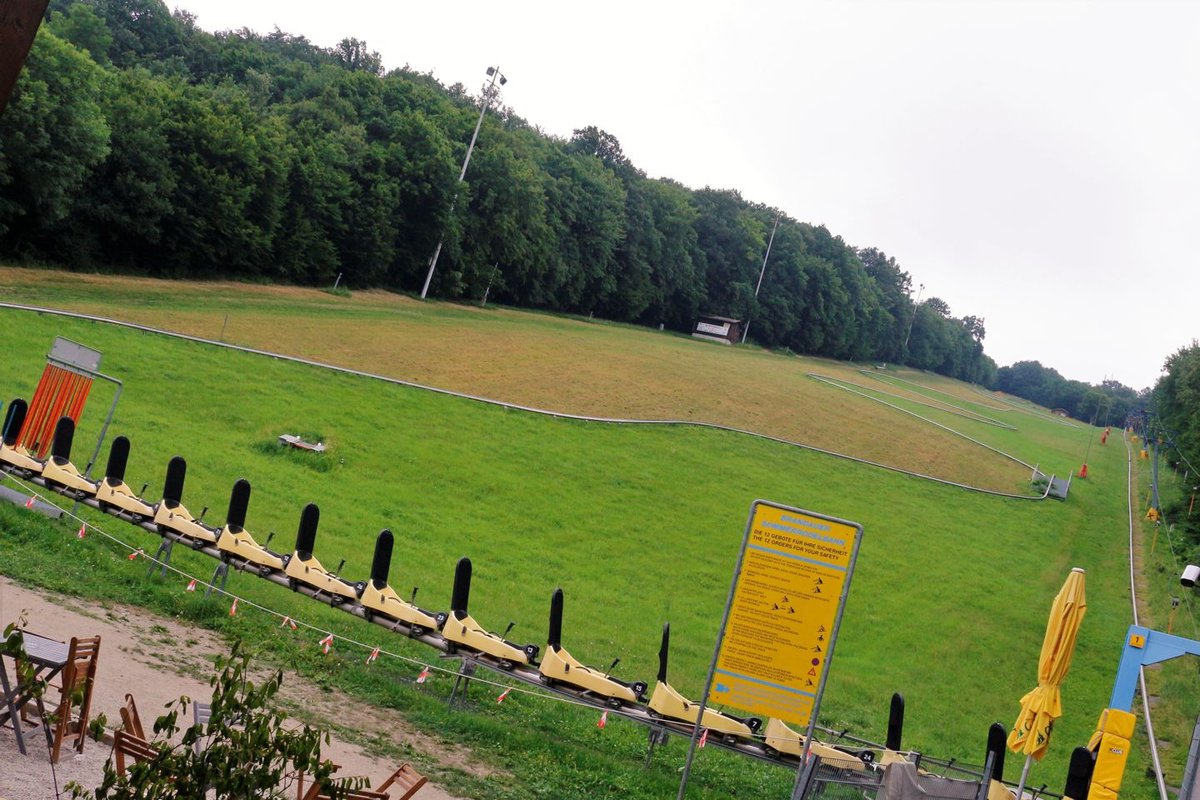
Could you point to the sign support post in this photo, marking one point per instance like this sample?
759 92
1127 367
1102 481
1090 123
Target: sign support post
781 620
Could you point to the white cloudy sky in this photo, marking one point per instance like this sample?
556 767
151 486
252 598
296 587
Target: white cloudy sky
1033 163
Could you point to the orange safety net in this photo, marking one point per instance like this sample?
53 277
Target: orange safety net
60 393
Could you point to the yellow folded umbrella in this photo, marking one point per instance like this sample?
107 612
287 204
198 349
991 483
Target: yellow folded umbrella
1042 706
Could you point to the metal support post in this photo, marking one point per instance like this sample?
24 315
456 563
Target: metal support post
222 572
162 556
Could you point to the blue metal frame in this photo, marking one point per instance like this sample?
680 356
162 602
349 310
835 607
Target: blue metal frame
1142 647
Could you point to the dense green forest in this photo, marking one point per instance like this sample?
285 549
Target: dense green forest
1107 404
137 142
1175 424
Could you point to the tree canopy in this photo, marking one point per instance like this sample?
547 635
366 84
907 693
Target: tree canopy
1176 426
136 141
1107 404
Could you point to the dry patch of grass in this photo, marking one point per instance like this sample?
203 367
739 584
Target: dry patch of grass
563 364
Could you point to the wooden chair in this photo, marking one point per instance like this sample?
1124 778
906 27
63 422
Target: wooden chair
300 793
405 779
314 793
134 748
75 704
130 719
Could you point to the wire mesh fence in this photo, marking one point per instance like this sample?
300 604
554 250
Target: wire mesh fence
834 782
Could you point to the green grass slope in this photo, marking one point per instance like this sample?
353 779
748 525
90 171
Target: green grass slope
540 360
638 525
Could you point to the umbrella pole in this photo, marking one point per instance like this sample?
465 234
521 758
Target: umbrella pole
1024 775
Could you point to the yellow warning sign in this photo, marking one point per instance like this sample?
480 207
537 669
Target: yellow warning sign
784 613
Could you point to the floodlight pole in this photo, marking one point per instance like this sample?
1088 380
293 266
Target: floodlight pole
489 93
488 290
911 320
763 271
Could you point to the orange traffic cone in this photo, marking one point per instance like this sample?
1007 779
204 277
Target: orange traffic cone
1083 471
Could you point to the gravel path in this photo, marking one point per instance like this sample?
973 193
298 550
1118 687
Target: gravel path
152 658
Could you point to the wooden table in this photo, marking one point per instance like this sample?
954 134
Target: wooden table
48 658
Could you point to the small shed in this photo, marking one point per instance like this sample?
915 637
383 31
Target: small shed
718 329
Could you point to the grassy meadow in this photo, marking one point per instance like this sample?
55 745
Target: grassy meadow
544 361
638 525
1162 557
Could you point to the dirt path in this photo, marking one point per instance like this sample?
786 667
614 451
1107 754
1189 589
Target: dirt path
158 660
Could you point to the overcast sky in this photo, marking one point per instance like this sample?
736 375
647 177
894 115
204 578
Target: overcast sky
1033 163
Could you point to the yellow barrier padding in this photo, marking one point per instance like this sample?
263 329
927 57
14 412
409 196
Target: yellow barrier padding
998 791
1152 514
1110 743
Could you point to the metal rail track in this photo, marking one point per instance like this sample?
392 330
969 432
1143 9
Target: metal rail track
1130 494
511 406
525 674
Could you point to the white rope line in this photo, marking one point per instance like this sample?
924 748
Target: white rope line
1184 459
837 383
1129 497
512 406
884 376
508 688
241 600
1033 412
1171 442
1162 525
1185 601
1165 431
931 402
